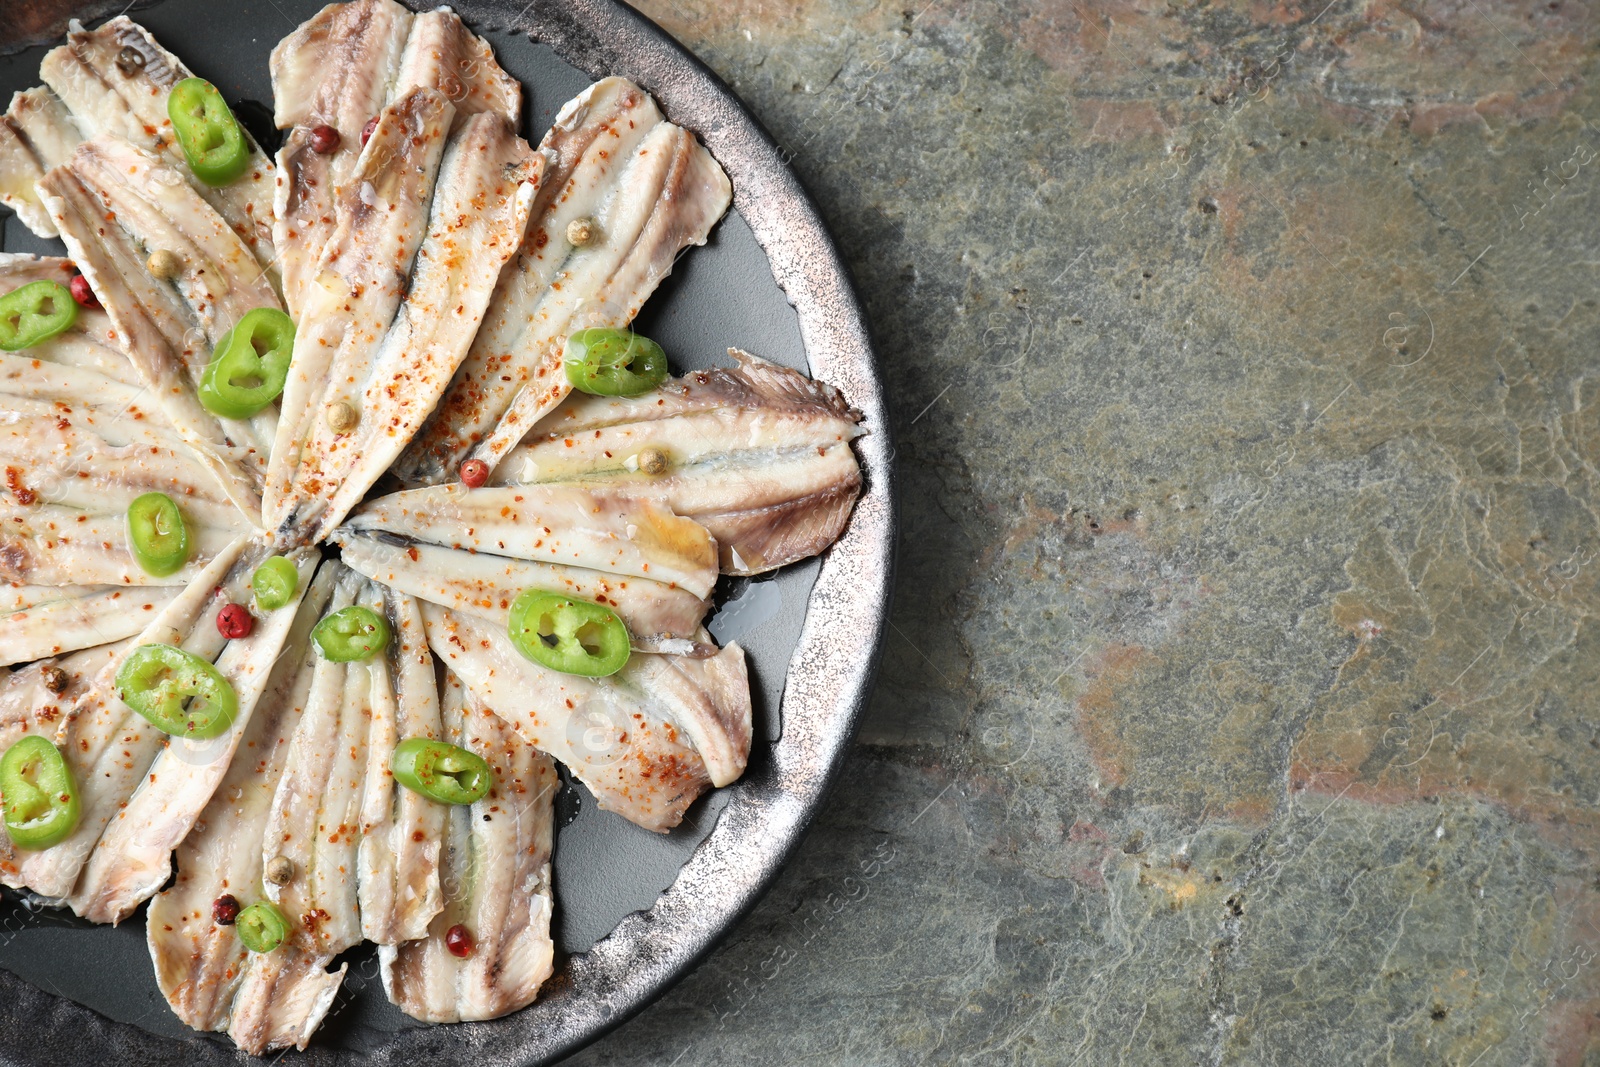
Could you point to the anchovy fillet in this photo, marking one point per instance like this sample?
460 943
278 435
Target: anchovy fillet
426 226
129 100
651 190
133 856
398 859
36 133
659 617
114 204
340 69
646 741
208 977
497 884
29 705
758 454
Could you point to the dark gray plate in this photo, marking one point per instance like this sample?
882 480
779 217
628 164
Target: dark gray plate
634 910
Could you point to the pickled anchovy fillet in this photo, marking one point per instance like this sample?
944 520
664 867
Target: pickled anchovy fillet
398 860
426 226
168 329
651 190
497 884
36 133
646 741
45 620
208 977
759 454
133 856
364 850
659 617
340 69
129 100
34 700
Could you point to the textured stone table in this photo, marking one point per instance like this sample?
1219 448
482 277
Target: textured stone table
1240 702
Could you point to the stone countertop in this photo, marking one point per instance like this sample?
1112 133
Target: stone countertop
1239 703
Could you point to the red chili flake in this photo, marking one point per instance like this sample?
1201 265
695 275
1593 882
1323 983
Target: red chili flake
225 910
474 473
325 139
235 621
79 286
458 941
366 131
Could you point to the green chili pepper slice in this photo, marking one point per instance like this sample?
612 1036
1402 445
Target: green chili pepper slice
207 132
261 926
41 801
274 583
441 771
249 365
351 634
180 693
609 362
567 634
36 312
157 535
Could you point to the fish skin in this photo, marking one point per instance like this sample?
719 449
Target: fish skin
133 857
595 530
497 873
199 965
478 208
36 133
758 454
360 283
167 330
342 67
104 100
653 189
486 585
28 707
401 831
672 726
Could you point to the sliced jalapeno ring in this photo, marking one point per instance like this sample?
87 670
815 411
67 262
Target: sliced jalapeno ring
441 771
609 362
180 693
35 312
207 132
261 926
567 634
351 634
40 798
249 366
274 583
157 535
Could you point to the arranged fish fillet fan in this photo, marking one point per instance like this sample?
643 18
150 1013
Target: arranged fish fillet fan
339 70
115 204
427 221
646 741
496 876
207 975
759 454
435 266
649 190
133 856
114 81
79 440
476 550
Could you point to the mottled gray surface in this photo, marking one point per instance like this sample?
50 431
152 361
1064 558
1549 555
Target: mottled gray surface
1240 701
